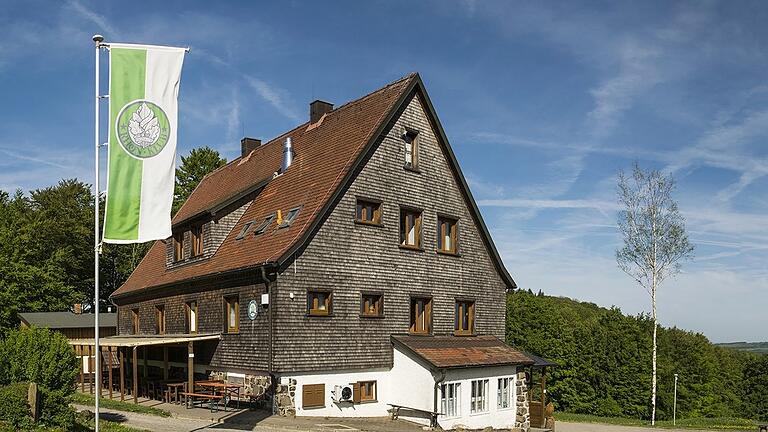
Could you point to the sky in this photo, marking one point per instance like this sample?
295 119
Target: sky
544 103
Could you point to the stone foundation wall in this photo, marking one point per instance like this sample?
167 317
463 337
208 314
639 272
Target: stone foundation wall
285 398
522 422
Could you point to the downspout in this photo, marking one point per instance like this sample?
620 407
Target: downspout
265 279
437 384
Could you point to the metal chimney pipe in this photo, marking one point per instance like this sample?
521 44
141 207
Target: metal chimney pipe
287 155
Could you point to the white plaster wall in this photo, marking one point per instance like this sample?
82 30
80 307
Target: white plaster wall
494 417
344 409
412 384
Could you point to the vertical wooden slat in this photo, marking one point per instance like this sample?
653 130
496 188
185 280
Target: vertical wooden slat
165 363
191 367
109 370
135 375
90 350
79 351
122 373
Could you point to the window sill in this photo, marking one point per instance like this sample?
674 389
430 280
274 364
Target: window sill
447 253
362 315
233 332
367 402
411 168
312 407
368 223
411 248
311 315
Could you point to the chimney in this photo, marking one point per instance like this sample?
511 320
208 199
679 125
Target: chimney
247 145
317 109
287 155
78 308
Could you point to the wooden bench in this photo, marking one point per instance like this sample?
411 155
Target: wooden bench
213 400
395 412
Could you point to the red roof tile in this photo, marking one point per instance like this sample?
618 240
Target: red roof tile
462 352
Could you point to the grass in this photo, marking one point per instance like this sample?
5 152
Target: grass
80 426
86 399
719 423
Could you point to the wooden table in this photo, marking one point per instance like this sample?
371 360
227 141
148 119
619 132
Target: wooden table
223 388
173 390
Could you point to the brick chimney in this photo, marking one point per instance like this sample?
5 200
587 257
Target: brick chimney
78 308
317 109
247 145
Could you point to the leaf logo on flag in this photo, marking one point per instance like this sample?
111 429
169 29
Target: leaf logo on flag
142 129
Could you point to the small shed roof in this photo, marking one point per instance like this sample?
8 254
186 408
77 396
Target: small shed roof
449 352
61 320
138 340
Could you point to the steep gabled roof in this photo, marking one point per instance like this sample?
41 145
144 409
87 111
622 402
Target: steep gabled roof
328 154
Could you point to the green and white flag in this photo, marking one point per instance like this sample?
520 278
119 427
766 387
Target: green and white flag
143 93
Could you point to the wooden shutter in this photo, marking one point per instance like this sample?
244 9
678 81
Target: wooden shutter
313 395
356 393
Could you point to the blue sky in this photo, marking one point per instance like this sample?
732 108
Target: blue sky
543 103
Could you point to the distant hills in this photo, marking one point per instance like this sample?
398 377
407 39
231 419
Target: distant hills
753 347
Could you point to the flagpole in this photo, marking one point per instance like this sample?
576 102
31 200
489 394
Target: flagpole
97 39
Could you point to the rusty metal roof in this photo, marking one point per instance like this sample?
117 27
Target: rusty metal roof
447 352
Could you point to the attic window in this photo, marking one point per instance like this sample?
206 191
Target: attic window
289 217
411 138
264 225
244 231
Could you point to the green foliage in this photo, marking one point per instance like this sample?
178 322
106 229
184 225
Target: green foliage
14 408
40 356
604 363
194 167
55 409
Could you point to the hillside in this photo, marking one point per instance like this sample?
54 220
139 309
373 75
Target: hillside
604 362
753 347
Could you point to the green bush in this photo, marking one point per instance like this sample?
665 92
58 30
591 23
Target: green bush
38 355
55 409
14 408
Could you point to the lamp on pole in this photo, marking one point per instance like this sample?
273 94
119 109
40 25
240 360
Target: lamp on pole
674 405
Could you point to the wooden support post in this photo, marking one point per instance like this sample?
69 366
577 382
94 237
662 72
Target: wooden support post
122 373
191 367
543 395
90 350
135 375
79 351
109 369
144 372
165 363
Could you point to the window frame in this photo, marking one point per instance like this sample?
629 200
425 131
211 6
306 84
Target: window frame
244 231
232 301
197 240
458 317
380 304
317 312
360 392
135 323
455 401
288 221
160 322
376 221
188 309
414 320
178 246
479 395
418 227
442 220
412 137
510 396
264 225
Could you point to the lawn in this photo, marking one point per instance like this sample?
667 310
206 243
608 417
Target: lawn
719 423
86 399
81 426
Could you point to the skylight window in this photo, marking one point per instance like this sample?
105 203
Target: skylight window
244 231
264 225
289 217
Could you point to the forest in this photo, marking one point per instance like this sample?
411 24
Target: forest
604 362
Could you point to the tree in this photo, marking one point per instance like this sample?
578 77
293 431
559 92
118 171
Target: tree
194 167
655 240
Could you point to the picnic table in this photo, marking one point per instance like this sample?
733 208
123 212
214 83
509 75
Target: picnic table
172 394
224 389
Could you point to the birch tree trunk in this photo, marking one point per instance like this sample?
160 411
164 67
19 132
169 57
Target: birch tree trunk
653 379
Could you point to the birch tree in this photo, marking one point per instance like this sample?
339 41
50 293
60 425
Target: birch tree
655 240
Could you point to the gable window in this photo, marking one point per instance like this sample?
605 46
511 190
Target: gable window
372 305
504 395
447 235
160 319
178 246
192 317
421 315
197 240
135 321
410 228
368 212
264 225
364 391
465 317
479 401
411 138
233 313
244 232
289 217
450 399
318 303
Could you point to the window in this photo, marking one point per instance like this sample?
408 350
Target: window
479 401
450 399
411 149
160 319
465 318
233 314
410 228
244 231
313 396
135 321
197 240
178 246
364 391
192 317
504 395
289 217
318 302
372 305
264 225
421 315
447 235
368 212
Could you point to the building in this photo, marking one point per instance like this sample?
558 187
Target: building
73 325
343 267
